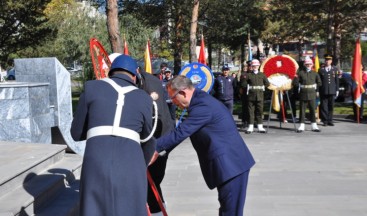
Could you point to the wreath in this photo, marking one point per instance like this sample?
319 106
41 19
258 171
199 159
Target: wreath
280 70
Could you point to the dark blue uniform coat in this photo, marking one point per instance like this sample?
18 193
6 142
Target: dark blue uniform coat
223 87
328 89
221 150
113 179
150 83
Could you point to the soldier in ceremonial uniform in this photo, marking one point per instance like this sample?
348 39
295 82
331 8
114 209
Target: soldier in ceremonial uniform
308 83
243 93
328 90
113 115
256 82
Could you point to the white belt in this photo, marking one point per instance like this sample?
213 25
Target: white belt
256 87
114 131
309 86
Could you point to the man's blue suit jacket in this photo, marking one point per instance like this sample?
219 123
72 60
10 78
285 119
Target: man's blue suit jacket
221 150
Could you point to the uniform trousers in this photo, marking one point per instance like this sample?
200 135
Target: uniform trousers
255 109
228 104
244 100
327 108
232 195
311 107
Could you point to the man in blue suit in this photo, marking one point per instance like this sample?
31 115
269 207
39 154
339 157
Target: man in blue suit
224 158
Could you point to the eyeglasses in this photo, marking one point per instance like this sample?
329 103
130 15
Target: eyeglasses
176 93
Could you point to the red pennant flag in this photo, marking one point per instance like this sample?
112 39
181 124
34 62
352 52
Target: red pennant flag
126 49
357 76
202 52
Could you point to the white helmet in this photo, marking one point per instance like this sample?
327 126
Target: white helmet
255 62
308 61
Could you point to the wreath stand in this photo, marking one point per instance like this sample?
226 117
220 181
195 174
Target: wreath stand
281 110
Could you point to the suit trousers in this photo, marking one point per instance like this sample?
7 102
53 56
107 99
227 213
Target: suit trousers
327 108
232 195
311 107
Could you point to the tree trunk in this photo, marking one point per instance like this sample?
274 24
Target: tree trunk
329 30
113 26
210 49
219 55
242 58
337 45
193 28
177 54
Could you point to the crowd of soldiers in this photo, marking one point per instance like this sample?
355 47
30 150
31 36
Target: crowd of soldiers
308 87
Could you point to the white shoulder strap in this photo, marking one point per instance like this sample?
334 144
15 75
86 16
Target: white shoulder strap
120 101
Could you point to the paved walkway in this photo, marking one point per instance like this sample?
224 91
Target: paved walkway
318 174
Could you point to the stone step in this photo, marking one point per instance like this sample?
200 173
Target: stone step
43 188
19 161
66 203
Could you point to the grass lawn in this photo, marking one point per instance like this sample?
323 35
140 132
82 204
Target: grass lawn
340 108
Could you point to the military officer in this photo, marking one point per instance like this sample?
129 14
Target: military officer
113 115
328 90
256 82
308 83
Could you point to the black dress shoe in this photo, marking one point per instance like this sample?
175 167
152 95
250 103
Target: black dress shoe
330 124
324 124
262 131
316 130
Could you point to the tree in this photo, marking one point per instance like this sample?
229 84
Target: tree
328 20
113 26
22 25
194 24
231 24
76 23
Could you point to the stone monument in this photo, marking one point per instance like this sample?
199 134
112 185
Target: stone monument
55 79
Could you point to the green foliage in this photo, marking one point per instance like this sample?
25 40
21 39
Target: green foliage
136 35
22 25
76 26
310 19
364 48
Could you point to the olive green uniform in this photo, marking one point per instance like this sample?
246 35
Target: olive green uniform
256 84
308 83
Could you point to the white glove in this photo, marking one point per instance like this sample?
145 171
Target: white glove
337 93
154 95
317 94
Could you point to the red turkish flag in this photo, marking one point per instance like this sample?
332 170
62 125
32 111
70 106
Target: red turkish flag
357 75
202 52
